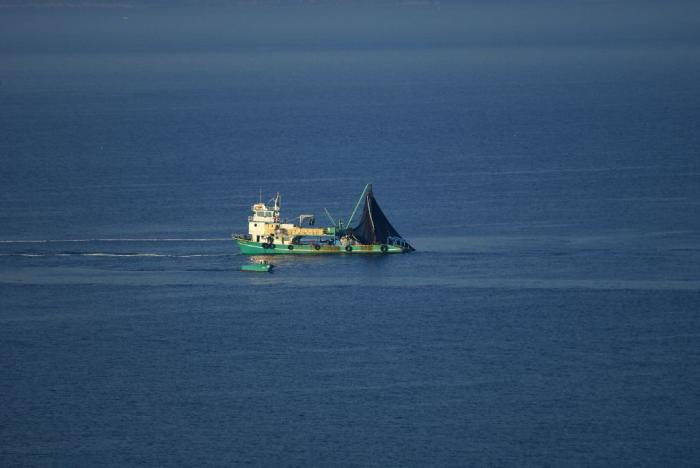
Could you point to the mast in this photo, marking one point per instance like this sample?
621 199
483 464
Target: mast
330 217
358 204
277 202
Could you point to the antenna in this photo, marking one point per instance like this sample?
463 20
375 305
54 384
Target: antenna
260 194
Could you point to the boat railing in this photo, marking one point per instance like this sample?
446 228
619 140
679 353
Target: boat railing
264 219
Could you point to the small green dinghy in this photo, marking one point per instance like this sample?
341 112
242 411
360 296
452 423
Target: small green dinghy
258 267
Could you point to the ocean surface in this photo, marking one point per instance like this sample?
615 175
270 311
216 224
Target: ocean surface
545 166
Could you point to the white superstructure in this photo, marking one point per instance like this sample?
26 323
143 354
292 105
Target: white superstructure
264 225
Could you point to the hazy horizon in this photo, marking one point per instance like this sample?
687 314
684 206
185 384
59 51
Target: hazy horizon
150 26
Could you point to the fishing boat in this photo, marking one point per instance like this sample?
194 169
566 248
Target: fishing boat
269 235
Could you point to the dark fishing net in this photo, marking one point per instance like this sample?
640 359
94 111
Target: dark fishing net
374 227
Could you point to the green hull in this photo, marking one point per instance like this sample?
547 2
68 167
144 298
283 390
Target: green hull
256 248
259 268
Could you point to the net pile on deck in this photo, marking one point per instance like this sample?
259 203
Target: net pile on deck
374 227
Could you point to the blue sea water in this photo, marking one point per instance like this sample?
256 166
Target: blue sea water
546 170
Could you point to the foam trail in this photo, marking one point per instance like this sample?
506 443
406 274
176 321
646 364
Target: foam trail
108 254
126 239
105 254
